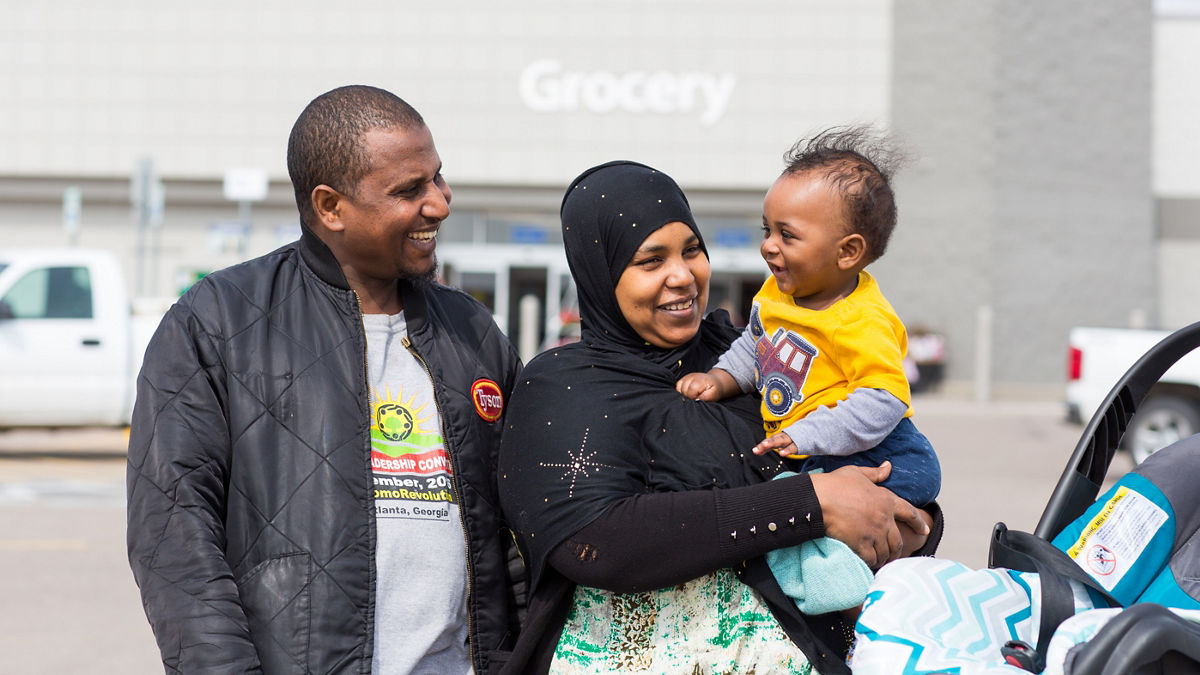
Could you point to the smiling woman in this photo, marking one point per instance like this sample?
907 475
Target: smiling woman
664 290
642 515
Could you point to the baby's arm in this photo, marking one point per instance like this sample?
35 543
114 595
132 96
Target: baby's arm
733 373
859 422
714 385
738 362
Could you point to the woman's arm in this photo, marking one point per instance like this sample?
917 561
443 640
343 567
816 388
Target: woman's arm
666 538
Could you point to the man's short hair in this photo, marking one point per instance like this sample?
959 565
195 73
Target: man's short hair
325 146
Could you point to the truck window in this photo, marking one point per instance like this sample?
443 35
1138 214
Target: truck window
52 293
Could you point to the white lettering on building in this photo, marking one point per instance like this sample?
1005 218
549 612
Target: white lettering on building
545 86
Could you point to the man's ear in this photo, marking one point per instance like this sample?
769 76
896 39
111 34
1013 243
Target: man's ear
327 204
851 251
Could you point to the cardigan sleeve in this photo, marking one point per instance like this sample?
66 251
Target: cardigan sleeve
663 539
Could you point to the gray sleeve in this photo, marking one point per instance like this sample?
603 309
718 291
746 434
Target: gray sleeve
738 361
857 423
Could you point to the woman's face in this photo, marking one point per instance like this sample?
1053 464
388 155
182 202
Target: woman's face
664 289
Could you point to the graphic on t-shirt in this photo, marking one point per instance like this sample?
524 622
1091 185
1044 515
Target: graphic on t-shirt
781 367
412 472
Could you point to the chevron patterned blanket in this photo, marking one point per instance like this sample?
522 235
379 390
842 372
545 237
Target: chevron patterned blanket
925 616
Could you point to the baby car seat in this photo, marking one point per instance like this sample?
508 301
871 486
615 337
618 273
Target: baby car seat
1087 593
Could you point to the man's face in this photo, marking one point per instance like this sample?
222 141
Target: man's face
391 217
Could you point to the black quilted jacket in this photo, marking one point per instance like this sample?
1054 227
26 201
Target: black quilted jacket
251 524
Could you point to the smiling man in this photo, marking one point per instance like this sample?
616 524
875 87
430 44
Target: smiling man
284 400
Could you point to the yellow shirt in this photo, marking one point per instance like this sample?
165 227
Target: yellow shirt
808 358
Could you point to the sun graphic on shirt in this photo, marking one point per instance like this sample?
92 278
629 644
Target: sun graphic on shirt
399 426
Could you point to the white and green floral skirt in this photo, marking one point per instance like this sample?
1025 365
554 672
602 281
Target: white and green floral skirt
713 624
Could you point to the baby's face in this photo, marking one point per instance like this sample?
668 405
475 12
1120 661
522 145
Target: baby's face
804 235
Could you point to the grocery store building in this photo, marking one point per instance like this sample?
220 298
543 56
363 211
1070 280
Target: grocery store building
1051 180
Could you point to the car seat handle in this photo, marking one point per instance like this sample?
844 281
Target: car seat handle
1080 483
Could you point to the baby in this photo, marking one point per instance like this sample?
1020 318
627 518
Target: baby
823 346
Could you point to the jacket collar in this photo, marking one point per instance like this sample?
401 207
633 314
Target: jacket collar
322 262
320 259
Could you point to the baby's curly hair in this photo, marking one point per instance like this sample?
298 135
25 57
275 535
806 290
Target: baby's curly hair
858 162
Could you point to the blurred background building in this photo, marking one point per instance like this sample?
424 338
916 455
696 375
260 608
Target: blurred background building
1051 183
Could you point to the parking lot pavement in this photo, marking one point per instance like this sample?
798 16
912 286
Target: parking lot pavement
71 604
72 443
1000 462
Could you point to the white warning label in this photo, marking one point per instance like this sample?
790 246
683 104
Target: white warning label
1113 540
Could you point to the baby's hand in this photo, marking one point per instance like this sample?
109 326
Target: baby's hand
698 386
781 443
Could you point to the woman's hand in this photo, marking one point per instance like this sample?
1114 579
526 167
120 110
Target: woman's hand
865 516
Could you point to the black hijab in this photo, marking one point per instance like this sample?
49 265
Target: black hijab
598 421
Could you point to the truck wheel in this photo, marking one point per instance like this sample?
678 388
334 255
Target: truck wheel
1159 422
777 395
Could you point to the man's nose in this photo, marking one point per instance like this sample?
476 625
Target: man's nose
437 206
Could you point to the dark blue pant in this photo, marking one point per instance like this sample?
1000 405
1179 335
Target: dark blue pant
916 474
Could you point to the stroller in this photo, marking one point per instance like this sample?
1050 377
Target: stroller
1035 609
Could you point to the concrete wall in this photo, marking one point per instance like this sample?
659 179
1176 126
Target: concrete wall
1029 193
525 92
1030 196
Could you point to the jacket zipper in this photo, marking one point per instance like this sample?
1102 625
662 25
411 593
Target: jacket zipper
462 513
366 382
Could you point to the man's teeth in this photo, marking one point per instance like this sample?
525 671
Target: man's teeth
423 236
687 304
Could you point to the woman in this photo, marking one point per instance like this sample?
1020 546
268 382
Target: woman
641 520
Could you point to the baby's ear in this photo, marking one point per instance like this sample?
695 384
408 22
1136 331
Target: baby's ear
852 251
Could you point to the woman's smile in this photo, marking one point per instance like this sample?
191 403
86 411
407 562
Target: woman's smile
664 289
680 306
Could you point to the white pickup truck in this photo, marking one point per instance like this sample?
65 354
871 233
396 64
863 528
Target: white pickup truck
70 343
1096 360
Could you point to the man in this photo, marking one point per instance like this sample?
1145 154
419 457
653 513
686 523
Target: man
312 462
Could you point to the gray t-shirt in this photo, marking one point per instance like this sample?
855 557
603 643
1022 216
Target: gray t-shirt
420 556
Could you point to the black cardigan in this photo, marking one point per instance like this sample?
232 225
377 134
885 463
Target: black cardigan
621 551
